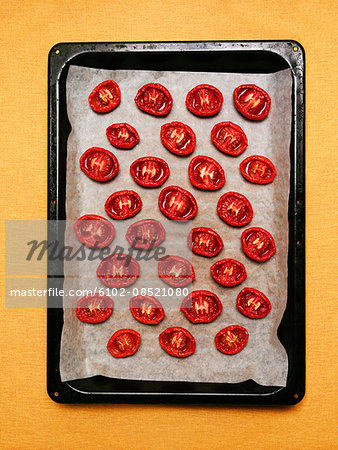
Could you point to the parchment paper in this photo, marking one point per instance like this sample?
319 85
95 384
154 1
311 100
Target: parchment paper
83 346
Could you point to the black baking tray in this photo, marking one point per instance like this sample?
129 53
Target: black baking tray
223 56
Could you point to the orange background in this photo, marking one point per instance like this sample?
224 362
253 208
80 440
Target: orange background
29 419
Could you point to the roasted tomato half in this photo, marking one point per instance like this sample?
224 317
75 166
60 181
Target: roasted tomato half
258 244
94 308
235 209
118 270
231 339
124 343
205 241
204 100
258 169
201 307
94 231
123 204
228 272
149 171
176 271
177 341
229 138
177 203
99 164
178 138
253 303
146 309
122 135
105 97
145 234
154 99
206 173
252 101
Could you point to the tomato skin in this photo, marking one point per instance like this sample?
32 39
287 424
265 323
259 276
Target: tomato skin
230 266
123 343
93 158
237 339
146 99
99 223
203 93
146 309
258 108
186 138
166 271
230 205
114 205
256 163
137 231
177 341
105 97
252 238
253 303
229 138
118 270
198 248
87 312
202 170
166 201
201 307
122 136
157 168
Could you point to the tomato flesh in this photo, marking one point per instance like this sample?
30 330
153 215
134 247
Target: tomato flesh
204 100
231 339
94 231
176 271
258 244
155 99
228 272
94 308
253 303
177 203
206 173
145 234
118 270
105 97
178 138
177 341
149 171
99 164
146 309
229 138
235 209
124 343
205 241
258 169
201 307
252 101
123 204
122 135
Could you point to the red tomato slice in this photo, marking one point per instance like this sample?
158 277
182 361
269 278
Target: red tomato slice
123 204
235 209
94 231
146 309
149 171
204 100
124 343
201 307
205 241
229 138
118 270
253 303
258 169
94 308
145 234
122 135
206 173
153 98
105 97
228 272
258 244
252 101
99 164
231 339
177 341
177 203
176 271
178 138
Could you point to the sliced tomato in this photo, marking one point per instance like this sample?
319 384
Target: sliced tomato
118 270
228 272
205 241
155 99
177 203
177 341
229 138
252 101
99 164
94 308
206 173
231 339
145 234
123 204
176 271
149 171
178 138
122 135
201 307
105 96
253 303
94 231
258 169
235 209
124 343
146 309
258 244
204 100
